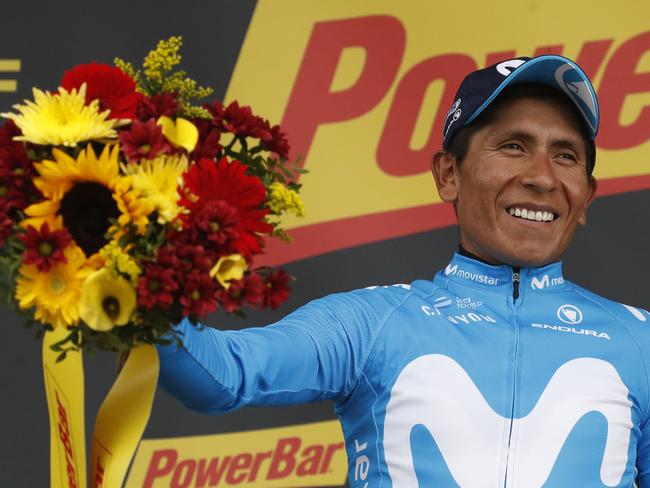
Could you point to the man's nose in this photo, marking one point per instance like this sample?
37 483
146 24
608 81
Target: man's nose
539 174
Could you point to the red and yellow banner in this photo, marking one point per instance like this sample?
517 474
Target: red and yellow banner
361 89
297 456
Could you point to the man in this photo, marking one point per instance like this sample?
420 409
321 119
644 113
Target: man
498 372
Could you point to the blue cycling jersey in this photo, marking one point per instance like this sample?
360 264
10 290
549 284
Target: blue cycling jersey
483 377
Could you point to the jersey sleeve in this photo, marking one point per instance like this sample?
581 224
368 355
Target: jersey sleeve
643 457
315 353
642 334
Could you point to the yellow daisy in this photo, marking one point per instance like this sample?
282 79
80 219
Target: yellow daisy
86 192
55 293
158 181
62 119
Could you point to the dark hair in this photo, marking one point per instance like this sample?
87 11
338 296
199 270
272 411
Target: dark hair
459 144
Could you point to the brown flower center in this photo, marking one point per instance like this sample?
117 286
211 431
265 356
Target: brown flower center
111 307
196 295
153 286
45 248
87 209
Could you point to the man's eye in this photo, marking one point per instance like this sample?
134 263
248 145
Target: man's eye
567 156
512 145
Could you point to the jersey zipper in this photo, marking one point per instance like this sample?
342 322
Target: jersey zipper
515 296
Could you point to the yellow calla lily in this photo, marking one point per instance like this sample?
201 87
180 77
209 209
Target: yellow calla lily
228 268
106 300
180 132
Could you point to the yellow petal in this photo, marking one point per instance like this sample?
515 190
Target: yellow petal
106 300
229 268
182 133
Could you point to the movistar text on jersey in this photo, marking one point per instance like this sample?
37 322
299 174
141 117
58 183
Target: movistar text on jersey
468 275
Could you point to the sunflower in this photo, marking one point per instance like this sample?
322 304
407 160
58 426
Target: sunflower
157 181
87 193
55 294
62 118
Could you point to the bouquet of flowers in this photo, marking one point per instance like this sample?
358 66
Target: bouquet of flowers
125 207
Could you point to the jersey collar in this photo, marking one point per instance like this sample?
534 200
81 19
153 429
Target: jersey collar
466 270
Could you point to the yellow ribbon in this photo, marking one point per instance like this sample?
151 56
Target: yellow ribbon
122 418
64 388
120 422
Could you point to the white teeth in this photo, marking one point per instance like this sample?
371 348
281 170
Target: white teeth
537 216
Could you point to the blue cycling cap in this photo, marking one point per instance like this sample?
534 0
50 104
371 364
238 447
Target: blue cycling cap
480 88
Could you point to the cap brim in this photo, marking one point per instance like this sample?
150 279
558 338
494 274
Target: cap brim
560 73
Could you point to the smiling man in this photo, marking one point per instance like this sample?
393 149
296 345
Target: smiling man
499 371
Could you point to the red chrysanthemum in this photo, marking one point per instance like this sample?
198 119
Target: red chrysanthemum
156 106
156 287
277 288
247 291
208 145
210 181
239 120
193 257
278 143
44 247
6 225
144 140
7 133
199 294
216 222
17 172
114 89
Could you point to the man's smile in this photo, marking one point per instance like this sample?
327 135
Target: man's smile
532 213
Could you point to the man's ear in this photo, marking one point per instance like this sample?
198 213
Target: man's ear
444 168
593 186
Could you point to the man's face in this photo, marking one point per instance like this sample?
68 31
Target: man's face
522 188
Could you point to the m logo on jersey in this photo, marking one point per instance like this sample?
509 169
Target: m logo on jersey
545 281
569 314
435 392
451 270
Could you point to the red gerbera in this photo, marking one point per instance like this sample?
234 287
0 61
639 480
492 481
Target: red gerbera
277 288
210 181
199 291
143 141
247 291
43 247
114 89
156 287
156 106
